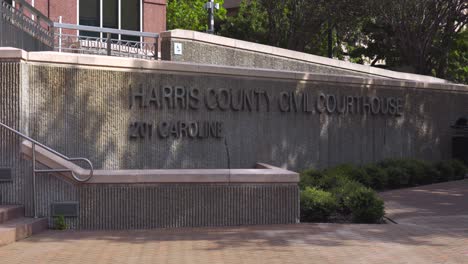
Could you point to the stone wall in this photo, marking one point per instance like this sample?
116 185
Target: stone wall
86 112
202 48
87 106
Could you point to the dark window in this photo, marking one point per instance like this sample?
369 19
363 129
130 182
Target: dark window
89 16
130 17
110 15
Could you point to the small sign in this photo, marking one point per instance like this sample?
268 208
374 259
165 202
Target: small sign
178 48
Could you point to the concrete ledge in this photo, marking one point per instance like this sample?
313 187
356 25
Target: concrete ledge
7 53
117 63
262 174
194 36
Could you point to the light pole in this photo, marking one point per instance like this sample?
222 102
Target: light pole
211 6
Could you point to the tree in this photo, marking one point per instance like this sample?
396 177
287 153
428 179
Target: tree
191 14
250 23
420 36
300 25
422 31
457 69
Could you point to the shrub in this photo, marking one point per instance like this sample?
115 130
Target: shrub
450 170
342 193
420 172
351 172
445 171
59 223
397 177
388 163
378 176
365 206
330 181
409 172
316 205
311 178
459 169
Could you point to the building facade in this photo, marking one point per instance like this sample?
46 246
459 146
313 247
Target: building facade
137 15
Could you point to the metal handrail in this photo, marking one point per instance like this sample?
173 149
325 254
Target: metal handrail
34 143
106 30
145 47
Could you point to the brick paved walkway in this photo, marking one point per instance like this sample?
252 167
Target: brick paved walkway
443 206
421 241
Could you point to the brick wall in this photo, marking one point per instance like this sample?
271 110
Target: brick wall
154 12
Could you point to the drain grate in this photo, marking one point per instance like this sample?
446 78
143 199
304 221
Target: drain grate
5 175
67 209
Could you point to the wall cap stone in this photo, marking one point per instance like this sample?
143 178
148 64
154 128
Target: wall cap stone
179 34
130 64
7 53
263 173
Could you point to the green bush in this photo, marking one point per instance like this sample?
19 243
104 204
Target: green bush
331 180
59 223
351 172
445 171
311 178
420 172
409 172
397 177
388 163
316 205
459 169
378 176
450 170
342 193
345 191
365 206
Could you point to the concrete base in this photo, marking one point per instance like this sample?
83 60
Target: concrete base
186 205
14 227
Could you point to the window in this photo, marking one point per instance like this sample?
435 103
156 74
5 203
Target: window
89 16
130 17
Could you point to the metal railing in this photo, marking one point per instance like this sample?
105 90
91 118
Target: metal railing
105 41
35 170
22 26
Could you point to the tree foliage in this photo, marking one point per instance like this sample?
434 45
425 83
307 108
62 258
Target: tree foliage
300 25
191 14
423 32
420 36
250 23
457 69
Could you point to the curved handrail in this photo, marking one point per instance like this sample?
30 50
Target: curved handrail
55 153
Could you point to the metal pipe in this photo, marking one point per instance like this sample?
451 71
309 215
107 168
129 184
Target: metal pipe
34 179
60 35
156 48
106 30
34 143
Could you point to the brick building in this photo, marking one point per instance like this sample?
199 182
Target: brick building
139 15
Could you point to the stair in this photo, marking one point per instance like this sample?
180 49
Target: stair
15 226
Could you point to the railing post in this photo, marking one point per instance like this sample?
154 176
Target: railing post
109 44
34 179
156 48
60 36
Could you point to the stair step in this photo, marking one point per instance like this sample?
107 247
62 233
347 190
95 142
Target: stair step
10 212
21 228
